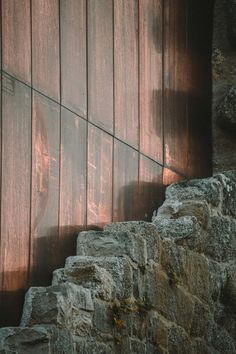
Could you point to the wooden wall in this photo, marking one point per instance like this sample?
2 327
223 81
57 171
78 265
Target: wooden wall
103 104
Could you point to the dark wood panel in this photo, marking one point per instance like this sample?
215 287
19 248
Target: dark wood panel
73 55
150 188
71 186
15 200
170 177
200 26
126 71
176 81
99 177
150 47
72 181
125 193
45 188
45 47
16 38
100 63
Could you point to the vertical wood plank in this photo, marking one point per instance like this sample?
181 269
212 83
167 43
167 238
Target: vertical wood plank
72 181
15 202
45 188
170 177
137 79
99 177
200 27
126 71
45 47
73 55
150 51
16 39
125 189
150 188
176 79
100 63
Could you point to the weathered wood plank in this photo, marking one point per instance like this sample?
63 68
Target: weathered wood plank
72 181
99 208
176 80
100 63
45 47
45 189
125 189
150 188
150 51
16 39
73 55
126 71
15 195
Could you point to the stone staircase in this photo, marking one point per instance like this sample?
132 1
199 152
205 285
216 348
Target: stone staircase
163 287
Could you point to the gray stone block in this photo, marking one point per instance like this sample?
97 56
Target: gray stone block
184 231
108 244
119 268
59 305
207 189
174 209
36 340
220 243
228 180
90 276
146 230
226 110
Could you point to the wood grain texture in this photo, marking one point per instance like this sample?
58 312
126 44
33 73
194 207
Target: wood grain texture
150 188
45 47
15 199
73 55
99 208
72 181
126 71
125 188
150 51
176 85
45 189
170 177
100 63
16 39
160 71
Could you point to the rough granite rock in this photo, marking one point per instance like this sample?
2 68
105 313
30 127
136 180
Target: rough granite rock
96 243
226 110
36 340
144 288
231 16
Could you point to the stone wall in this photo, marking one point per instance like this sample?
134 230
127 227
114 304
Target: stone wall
163 287
224 85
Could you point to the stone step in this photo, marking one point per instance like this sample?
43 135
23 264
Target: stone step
62 305
138 287
90 276
112 244
115 273
138 240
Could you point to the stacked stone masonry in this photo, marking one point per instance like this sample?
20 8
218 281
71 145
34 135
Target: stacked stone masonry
163 287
